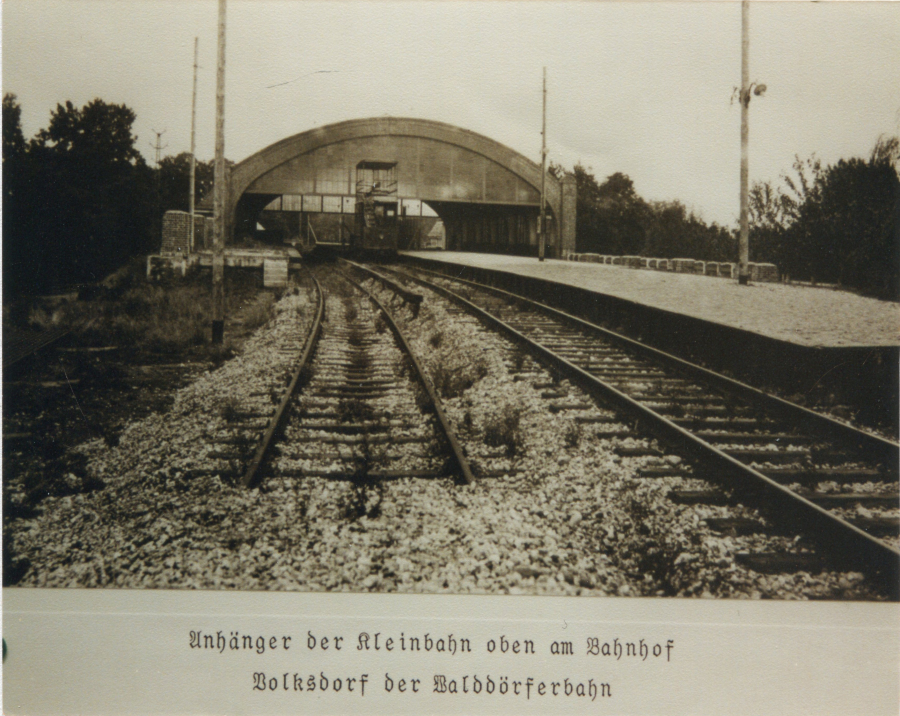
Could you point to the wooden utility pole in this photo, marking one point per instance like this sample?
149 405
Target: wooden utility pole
219 192
542 223
193 142
744 246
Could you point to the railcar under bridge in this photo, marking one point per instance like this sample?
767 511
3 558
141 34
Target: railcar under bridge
486 194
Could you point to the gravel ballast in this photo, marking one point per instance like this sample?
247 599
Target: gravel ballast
564 514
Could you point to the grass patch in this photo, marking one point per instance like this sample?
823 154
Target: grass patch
260 313
366 491
170 315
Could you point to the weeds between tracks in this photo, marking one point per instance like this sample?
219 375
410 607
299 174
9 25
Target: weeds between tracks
504 430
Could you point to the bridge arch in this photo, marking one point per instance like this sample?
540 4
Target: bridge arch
487 194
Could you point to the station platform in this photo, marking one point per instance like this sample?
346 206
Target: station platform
803 315
814 344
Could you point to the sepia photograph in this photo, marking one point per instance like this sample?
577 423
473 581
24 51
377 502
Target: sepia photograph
581 300
516 327
357 300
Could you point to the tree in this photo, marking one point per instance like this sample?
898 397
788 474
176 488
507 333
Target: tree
16 261
622 215
175 180
675 232
847 228
838 224
99 134
85 199
614 219
98 193
610 215
587 200
13 139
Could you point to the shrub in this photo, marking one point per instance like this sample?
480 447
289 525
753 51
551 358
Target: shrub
451 381
504 430
229 409
354 410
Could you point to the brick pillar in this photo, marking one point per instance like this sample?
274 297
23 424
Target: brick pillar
176 232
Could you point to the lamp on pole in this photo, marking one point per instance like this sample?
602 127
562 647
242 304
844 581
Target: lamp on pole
746 89
542 223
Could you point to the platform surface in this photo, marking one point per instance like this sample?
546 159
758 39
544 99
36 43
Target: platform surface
799 314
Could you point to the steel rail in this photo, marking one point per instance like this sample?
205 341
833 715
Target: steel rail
411 297
275 424
849 545
459 457
873 447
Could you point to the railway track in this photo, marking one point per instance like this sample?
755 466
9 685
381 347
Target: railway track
805 472
356 406
21 345
569 496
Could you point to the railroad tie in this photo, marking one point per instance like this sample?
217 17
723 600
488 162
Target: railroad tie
779 563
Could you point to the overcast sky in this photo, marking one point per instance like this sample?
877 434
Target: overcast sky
643 89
